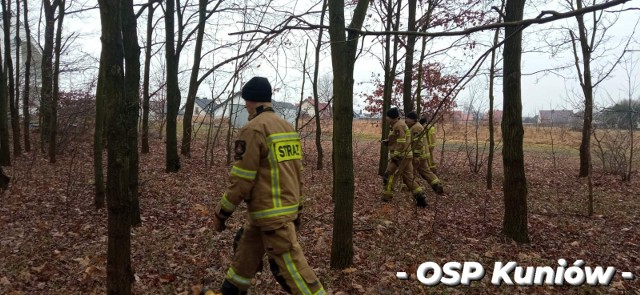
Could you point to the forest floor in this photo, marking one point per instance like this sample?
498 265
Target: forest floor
54 242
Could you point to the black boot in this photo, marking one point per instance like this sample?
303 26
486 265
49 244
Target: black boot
230 289
438 189
421 200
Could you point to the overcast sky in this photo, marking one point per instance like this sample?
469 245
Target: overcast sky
549 90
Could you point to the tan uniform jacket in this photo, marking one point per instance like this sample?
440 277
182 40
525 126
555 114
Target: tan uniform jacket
400 140
267 173
431 137
418 141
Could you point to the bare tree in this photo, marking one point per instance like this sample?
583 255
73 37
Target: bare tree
46 90
119 270
343 57
390 64
15 118
492 74
586 42
407 97
146 97
98 136
8 68
316 103
131 103
53 106
187 124
27 79
173 89
475 154
5 155
515 221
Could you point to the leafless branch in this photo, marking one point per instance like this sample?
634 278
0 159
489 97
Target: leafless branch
540 19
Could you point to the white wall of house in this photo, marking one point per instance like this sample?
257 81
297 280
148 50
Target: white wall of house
235 110
36 60
287 114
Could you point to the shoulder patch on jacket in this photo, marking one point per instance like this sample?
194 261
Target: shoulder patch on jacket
239 149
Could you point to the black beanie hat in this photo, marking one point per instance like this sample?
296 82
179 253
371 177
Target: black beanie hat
257 89
393 113
412 115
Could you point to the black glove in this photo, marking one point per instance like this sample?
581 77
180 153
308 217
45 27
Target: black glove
298 219
396 160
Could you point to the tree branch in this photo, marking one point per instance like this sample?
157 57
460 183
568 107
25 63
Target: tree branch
540 19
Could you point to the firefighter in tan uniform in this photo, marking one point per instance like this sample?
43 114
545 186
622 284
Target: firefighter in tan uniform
267 175
421 153
399 143
431 144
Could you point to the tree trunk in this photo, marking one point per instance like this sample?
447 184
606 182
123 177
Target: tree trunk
230 130
119 270
187 125
304 74
98 136
4 180
27 77
53 111
407 93
15 116
492 76
145 83
587 89
8 68
316 108
389 75
173 90
419 82
343 54
5 157
515 183
132 101
46 90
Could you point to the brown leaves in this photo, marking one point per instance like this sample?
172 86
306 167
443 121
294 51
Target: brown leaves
53 244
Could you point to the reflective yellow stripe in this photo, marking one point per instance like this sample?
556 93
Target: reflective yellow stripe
277 137
275 179
243 173
417 190
273 212
435 181
226 204
232 275
401 140
320 292
389 184
273 163
295 274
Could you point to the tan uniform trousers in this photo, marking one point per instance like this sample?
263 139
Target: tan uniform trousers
422 169
406 174
282 247
431 163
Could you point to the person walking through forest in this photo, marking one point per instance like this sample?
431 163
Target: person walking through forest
267 175
419 147
431 143
399 143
